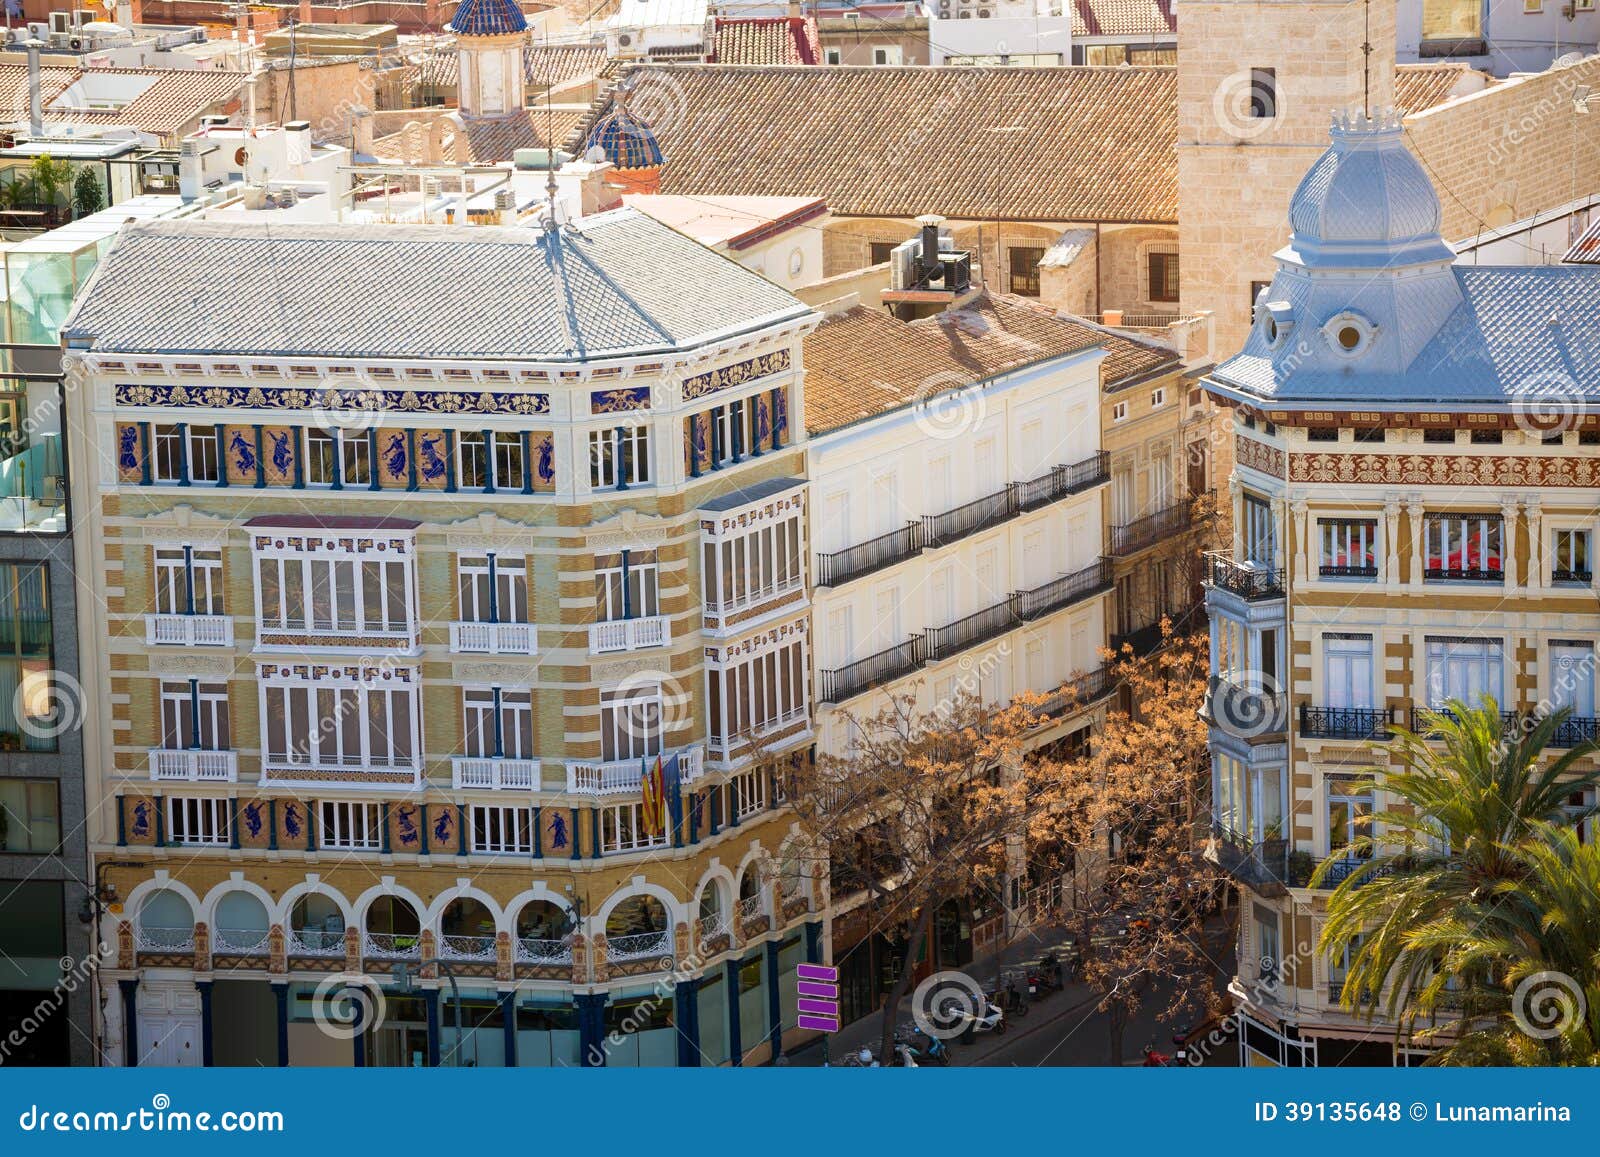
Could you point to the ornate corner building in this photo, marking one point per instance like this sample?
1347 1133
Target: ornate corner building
1414 511
444 583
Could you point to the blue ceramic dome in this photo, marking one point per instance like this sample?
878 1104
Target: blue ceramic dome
488 18
626 140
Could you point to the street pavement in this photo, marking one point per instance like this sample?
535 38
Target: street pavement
1059 1029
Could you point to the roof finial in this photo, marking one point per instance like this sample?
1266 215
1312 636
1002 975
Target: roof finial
1366 62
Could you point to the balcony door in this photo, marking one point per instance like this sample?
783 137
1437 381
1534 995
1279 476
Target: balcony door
1347 671
1572 677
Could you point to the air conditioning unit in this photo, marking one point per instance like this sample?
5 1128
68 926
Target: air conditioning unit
985 13
38 31
75 43
624 40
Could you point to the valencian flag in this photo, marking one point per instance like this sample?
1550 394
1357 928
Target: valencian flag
652 797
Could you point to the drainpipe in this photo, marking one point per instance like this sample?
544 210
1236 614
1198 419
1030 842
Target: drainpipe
35 94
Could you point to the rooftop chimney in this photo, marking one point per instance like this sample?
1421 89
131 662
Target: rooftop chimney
35 93
930 244
361 130
505 207
297 143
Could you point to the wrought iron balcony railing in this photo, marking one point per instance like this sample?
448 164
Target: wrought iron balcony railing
1150 529
1249 580
1344 722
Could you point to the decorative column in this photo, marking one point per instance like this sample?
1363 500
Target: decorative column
686 1015
430 1003
1301 526
730 981
774 1005
508 1024
1391 539
591 1029
1508 542
207 1051
1419 550
280 998
1534 510
130 1021
1236 500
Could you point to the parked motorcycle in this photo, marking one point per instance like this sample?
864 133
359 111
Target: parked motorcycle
904 1057
1013 996
1047 976
928 1050
984 1016
1158 1060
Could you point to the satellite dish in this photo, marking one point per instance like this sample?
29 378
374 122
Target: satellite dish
241 156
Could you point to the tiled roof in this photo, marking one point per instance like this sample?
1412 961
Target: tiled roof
1531 332
861 363
1123 18
1419 87
175 98
488 18
554 65
1586 249
487 140
779 40
1041 144
610 285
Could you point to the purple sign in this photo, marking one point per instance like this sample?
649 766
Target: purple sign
817 992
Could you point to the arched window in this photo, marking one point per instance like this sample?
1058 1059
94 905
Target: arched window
316 926
467 931
638 928
393 930
241 925
544 933
166 922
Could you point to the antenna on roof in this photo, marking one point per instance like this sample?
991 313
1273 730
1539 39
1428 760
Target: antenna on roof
1366 63
550 223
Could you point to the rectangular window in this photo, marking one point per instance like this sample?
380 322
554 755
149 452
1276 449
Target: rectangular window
749 792
30 816
340 726
321 457
194 716
508 461
357 453
1349 807
1263 93
204 461
1260 535
758 694
1163 276
755 566
733 431
877 251
1470 670
619 457
506 575
497 726
167 460
472 460
1347 670
630 723
1349 547
501 830
334 593
1572 677
1580 812
1463 546
834 56
1119 412
1024 269
627 587
622 829
1158 397
199 822
350 827
1269 958
183 575
1570 563
26 657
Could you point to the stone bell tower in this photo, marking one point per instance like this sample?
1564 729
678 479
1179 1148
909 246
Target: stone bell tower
491 38
1258 83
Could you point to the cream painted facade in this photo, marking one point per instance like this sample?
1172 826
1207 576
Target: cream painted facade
452 781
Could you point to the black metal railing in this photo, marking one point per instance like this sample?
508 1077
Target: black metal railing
1150 529
1478 574
893 662
1344 722
1077 692
1019 607
969 518
1259 864
1510 721
1064 591
933 530
1567 575
1340 870
887 549
973 629
1248 580
1347 572
1576 730
1242 711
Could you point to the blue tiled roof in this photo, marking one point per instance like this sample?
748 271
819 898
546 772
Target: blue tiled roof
488 18
626 140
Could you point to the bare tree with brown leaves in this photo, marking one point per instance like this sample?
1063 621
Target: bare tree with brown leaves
1133 813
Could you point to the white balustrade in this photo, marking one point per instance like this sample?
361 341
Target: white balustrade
193 766
494 638
629 634
492 774
188 630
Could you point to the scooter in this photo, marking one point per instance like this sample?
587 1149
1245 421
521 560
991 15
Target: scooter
1014 997
928 1050
1046 977
1155 1060
989 1017
904 1057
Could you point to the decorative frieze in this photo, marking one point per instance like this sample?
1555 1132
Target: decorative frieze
363 401
1498 470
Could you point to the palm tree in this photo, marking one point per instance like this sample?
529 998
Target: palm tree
1539 939
1469 795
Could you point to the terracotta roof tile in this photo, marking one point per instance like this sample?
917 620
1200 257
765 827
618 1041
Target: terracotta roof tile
780 40
1419 87
487 141
1123 18
173 100
898 142
862 362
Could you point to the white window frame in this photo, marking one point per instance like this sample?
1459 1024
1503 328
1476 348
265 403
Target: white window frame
1560 691
1348 650
759 693
1158 397
622 831
1445 533
1336 790
177 567
764 562
631 723
500 830
203 450
1355 535
614 446
349 826
508 572
337 719
1258 533
166 452
511 710
177 698
1485 654
199 821
747 790
320 570
1119 411
1582 540
644 583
